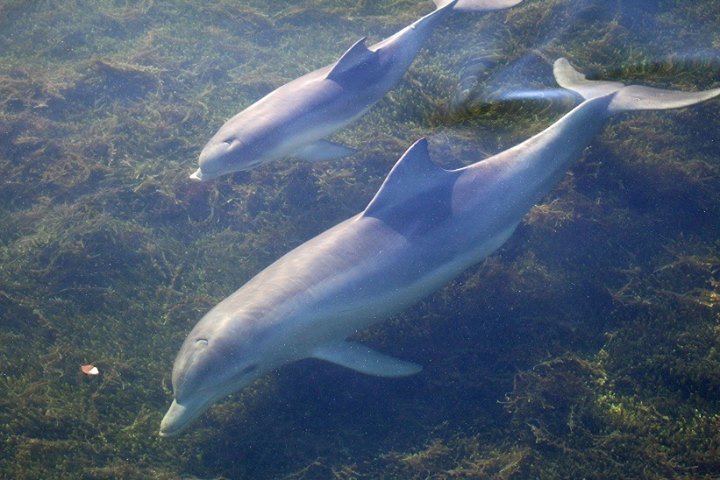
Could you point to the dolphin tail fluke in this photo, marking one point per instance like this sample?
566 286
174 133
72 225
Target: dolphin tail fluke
626 98
567 77
476 5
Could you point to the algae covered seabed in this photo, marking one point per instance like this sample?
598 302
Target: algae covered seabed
587 347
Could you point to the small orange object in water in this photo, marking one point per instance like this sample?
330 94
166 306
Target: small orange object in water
89 369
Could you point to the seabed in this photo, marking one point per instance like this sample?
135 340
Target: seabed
587 347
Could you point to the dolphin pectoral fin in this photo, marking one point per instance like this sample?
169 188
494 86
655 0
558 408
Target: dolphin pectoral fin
365 360
323 150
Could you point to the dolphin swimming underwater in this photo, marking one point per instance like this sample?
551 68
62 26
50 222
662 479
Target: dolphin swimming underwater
294 119
424 226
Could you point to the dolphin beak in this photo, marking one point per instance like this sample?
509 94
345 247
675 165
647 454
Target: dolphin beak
177 418
197 176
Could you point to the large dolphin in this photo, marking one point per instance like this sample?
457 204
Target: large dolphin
294 119
423 227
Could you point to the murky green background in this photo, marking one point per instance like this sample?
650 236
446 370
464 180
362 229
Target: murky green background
587 347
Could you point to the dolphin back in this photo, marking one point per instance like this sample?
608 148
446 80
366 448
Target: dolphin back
626 98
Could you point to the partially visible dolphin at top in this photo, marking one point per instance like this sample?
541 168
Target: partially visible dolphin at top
294 119
423 227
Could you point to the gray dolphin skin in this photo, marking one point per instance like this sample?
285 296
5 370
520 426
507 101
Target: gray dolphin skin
423 227
294 119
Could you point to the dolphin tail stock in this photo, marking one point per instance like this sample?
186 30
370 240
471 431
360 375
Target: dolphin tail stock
476 5
626 97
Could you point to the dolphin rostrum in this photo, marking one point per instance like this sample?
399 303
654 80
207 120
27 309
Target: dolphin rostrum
294 119
423 227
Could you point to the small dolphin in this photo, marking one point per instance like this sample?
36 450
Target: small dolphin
423 227
293 119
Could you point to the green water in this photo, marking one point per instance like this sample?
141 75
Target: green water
587 347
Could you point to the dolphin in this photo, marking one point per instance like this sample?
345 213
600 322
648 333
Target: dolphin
423 227
294 119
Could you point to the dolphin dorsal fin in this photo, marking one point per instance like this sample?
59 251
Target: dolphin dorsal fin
414 173
354 56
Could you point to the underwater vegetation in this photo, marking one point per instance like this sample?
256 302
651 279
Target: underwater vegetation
587 347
